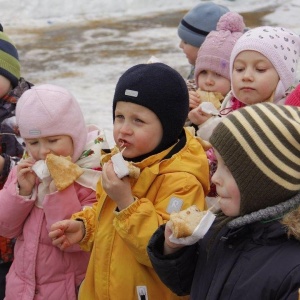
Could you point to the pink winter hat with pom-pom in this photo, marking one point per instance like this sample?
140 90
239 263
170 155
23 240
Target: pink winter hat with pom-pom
214 54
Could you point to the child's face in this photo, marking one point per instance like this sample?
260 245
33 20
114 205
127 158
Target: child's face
227 189
210 81
254 78
5 86
58 145
137 128
189 51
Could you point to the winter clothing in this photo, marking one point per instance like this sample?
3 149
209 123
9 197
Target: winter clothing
199 21
251 261
294 97
119 262
214 53
41 270
244 138
254 255
9 60
280 46
165 94
11 148
38 115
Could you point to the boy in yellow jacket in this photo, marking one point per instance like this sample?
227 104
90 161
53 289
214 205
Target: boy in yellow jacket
150 107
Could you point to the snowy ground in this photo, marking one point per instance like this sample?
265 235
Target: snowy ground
86 45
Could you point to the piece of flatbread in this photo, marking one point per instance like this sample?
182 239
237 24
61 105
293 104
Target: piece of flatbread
62 170
184 222
214 97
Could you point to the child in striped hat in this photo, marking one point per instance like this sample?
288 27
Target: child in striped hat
253 248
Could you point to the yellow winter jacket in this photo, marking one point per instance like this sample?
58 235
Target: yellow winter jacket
119 267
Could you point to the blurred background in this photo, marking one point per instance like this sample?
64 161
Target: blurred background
85 46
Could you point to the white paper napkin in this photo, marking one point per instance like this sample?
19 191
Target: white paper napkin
198 233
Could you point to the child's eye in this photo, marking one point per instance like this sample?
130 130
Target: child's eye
139 120
203 72
32 143
261 70
53 140
237 69
119 117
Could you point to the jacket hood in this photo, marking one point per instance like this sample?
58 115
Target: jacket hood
191 159
287 212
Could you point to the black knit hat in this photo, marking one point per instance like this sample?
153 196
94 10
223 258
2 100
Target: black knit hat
260 144
9 59
162 90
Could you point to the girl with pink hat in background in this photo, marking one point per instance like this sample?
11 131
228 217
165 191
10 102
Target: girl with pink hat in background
263 68
212 65
212 75
50 121
263 65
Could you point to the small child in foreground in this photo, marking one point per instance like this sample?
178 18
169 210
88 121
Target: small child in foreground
252 250
50 122
150 107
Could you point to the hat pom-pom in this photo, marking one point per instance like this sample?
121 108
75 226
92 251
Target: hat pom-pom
231 21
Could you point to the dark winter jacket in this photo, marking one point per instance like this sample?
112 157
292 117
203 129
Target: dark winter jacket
11 149
250 258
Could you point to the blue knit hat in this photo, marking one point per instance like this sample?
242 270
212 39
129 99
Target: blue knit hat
199 22
161 89
9 59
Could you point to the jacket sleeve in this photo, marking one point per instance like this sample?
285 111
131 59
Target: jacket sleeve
138 222
176 270
14 208
63 204
88 216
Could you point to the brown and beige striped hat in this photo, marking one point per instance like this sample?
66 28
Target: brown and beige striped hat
260 144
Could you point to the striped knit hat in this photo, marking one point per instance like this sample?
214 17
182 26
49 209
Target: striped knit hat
9 60
260 144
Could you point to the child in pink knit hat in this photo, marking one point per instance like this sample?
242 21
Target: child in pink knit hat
263 65
212 74
263 68
50 121
212 77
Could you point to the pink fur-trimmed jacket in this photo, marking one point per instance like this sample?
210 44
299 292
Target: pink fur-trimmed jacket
40 270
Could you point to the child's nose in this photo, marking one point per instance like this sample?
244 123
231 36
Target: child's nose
209 80
248 75
126 128
44 150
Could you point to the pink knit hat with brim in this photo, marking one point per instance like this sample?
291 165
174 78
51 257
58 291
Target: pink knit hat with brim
214 54
280 46
294 97
48 110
